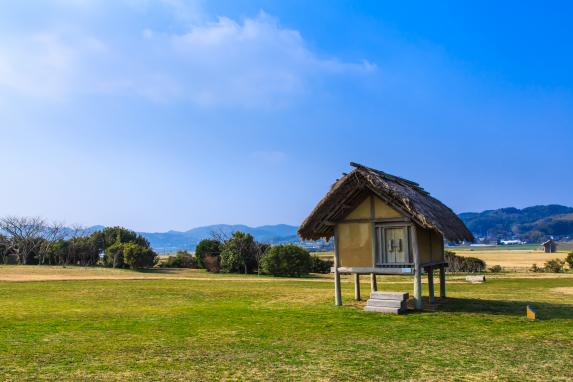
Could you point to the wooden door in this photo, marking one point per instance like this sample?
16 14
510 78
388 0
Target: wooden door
396 245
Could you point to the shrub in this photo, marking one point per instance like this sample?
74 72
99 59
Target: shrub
132 255
239 254
496 269
535 268
286 260
207 248
569 260
182 259
463 264
111 235
212 264
137 256
113 256
317 265
554 266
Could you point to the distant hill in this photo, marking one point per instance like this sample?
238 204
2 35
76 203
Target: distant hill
174 240
533 224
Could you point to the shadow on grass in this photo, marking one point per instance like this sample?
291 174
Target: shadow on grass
545 311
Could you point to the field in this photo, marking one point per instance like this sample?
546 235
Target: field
510 258
517 259
179 325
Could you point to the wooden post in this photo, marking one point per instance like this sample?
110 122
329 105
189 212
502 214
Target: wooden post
373 283
417 271
442 281
357 287
431 285
337 290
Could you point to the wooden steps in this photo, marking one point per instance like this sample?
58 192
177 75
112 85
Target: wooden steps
387 302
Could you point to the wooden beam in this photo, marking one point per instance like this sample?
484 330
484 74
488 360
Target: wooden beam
405 270
417 271
431 285
357 286
373 283
443 281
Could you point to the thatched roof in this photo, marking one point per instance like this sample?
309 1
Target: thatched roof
403 195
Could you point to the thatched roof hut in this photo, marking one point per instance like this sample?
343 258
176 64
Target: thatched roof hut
384 224
401 194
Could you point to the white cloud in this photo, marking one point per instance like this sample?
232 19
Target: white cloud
253 63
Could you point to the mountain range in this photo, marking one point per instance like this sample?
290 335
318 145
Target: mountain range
174 240
532 224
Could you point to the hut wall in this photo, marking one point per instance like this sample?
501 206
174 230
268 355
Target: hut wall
354 243
437 246
360 212
383 210
429 245
424 239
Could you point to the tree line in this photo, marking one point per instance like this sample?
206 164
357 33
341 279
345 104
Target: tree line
241 253
34 241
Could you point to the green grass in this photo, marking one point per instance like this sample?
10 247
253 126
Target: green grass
177 329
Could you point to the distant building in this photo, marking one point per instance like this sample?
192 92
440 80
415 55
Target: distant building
511 242
550 246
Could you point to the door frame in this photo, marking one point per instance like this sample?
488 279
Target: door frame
380 251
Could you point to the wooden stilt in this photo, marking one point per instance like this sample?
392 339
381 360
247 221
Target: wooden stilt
418 288
337 291
357 286
337 287
417 271
442 282
431 285
373 282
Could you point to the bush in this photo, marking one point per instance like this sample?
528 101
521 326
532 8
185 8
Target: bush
182 259
286 260
569 260
496 269
535 268
239 254
207 248
132 255
212 264
554 266
463 264
317 265
137 256
113 256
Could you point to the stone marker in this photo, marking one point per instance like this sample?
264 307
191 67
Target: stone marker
476 279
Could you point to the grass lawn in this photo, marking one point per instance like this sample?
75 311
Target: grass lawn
189 325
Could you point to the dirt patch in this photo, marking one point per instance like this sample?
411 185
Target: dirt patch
564 290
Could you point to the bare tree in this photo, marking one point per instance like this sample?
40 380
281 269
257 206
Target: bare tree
24 233
219 235
5 247
51 233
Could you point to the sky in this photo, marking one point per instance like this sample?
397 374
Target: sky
167 115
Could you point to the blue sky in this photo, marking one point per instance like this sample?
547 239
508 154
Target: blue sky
161 115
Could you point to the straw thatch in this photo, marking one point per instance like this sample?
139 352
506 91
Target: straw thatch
403 195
